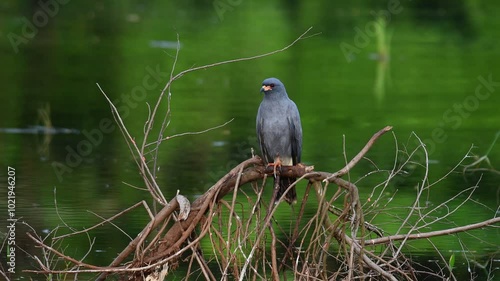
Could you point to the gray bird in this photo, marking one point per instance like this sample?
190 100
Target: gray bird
279 132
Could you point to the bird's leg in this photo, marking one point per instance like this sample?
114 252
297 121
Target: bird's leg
277 163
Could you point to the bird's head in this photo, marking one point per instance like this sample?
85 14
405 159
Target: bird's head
272 85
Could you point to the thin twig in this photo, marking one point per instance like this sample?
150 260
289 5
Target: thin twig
192 133
421 235
99 224
361 154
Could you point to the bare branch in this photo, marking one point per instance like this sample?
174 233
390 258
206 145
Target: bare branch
430 234
192 133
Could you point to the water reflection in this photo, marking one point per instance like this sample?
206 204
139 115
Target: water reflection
382 74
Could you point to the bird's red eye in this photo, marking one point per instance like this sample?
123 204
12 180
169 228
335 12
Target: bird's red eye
272 85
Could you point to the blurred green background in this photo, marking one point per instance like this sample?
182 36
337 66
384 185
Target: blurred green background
428 67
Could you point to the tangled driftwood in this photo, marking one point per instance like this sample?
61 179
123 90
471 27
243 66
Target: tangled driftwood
335 244
168 237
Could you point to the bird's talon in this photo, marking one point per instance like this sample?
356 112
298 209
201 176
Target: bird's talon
277 163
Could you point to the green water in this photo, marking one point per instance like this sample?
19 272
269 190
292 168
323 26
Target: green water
421 66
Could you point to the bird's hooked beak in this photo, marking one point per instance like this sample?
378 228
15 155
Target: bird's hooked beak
265 88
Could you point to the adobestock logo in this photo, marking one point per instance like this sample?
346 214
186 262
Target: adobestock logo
363 37
244 148
455 116
93 138
223 6
47 9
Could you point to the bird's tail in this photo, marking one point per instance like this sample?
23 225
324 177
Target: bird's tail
291 195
